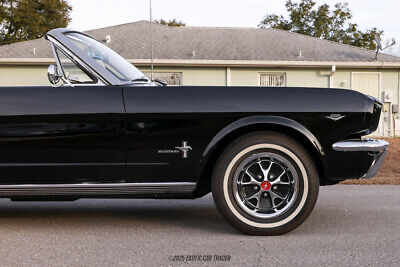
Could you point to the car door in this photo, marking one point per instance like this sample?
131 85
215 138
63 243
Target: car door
167 133
61 135
153 138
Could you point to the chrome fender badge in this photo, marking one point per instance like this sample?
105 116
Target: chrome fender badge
185 149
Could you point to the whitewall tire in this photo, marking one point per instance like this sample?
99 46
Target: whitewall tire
265 183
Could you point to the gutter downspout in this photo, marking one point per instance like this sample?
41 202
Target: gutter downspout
331 76
228 76
398 101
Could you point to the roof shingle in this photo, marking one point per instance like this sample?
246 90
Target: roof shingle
132 41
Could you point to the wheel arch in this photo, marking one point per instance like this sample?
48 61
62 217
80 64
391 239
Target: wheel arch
248 125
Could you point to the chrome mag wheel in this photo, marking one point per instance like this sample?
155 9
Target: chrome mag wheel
265 185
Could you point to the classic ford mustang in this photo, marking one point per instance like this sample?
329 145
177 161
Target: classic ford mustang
103 129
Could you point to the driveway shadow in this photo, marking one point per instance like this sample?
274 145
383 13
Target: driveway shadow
184 214
156 215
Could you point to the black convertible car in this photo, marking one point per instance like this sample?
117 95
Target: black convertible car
110 132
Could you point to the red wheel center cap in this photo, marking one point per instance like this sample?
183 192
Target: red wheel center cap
266 186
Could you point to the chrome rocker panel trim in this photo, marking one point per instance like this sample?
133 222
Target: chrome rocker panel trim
378 147
95 189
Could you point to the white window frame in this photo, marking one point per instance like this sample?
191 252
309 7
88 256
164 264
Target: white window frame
274 73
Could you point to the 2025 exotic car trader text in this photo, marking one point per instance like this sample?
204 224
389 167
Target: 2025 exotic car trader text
109 131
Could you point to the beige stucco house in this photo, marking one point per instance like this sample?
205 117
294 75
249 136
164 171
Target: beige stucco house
229 56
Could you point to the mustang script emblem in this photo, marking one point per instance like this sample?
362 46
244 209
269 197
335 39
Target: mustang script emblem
185 149
335 117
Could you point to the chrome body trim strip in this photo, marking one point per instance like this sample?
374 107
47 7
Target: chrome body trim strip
82 164
368 145
95 189
377 148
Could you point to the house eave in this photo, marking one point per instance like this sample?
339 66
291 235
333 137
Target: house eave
222 63
26 61
262 63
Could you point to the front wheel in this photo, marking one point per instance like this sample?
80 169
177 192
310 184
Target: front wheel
265 183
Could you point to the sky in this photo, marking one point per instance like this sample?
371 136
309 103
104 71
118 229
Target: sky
93 14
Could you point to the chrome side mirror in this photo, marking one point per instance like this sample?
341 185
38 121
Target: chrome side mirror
52 74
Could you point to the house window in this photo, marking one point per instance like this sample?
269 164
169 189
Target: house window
273 79
171 78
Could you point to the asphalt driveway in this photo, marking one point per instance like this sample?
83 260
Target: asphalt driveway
351 225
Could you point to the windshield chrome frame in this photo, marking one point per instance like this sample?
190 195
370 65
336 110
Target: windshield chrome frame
55 44
58 38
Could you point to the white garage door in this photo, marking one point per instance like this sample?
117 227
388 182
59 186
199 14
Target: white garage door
369 84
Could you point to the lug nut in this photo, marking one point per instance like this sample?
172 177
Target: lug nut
275 187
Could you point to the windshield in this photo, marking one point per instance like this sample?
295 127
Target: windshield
71 70
106 58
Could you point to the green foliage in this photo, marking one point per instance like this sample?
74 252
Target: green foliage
171 22
322 22
22 20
